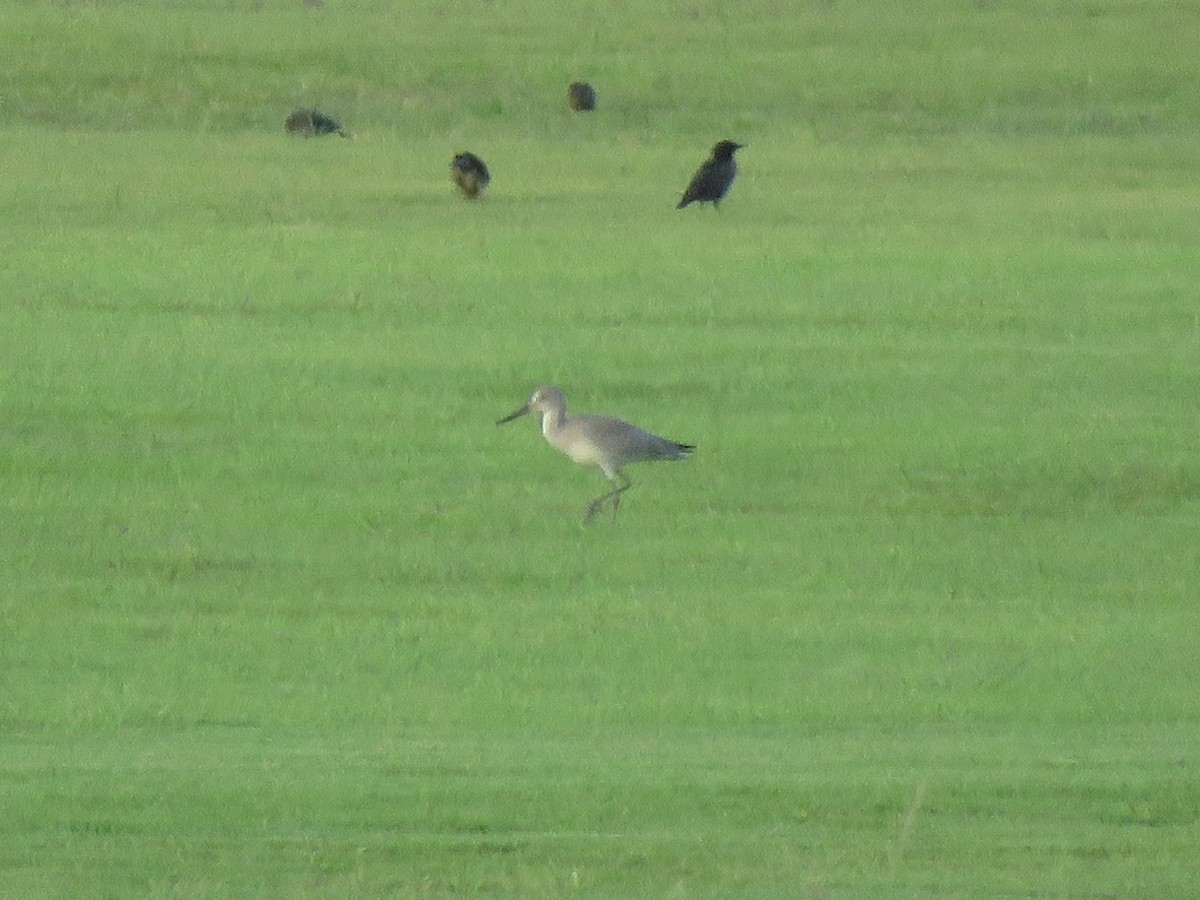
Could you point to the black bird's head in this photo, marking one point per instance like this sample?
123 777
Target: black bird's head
725 149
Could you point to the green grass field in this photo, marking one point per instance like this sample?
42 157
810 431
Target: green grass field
285 615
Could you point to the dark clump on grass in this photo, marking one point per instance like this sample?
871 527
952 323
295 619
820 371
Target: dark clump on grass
470 174
581 96
309 122
714 177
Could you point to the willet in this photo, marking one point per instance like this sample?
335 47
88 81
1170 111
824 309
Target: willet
599 441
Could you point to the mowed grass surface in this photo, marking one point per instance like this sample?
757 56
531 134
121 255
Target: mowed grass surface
284 614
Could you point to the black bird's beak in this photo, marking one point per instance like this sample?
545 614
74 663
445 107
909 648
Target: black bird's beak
523 411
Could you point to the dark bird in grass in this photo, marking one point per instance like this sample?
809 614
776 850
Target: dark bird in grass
310 122
712 179
581 96
470 174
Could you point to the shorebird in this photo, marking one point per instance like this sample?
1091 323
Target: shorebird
602 442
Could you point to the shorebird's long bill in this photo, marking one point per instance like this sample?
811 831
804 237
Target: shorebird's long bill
523 411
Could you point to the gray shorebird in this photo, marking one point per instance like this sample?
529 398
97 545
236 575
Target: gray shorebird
602 442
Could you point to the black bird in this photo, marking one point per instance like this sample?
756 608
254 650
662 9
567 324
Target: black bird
308 122
581 96
470 174
712 179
